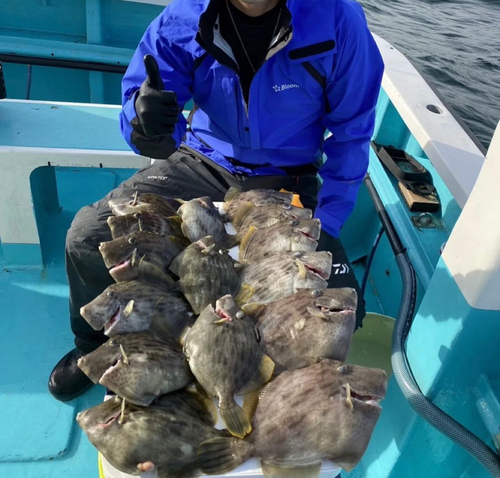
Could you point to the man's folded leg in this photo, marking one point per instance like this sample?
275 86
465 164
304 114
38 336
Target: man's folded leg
181 176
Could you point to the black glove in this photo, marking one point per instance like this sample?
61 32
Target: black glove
157 110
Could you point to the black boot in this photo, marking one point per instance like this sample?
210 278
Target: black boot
67 381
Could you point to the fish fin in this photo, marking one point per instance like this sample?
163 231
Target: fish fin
302 269
183 335
231 193
242 213
202 390
263 390
236 420
250 403
220 455
260 377
245 293
296 201
128 309
205 400
253 309
176 219
185 230
274 471
230 241
179 200
246 240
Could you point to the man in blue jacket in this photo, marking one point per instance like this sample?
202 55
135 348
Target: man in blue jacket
267 78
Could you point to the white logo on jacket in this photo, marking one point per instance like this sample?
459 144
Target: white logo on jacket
277 88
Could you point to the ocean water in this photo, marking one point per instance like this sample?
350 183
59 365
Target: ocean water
455 44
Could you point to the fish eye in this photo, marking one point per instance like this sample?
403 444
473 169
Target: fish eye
112 343
342 369
240 314
296 255
287 207
111 295
137 215
132 240
315 293
293 223
222 252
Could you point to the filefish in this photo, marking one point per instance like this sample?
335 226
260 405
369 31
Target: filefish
138 367
123 256
310 325
282 274
162 437
225 357
137 306
247 214
206 273
258 197
325 411
200 218
296 235
155 203
145 222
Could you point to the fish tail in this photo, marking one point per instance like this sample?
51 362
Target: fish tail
236 420
220 455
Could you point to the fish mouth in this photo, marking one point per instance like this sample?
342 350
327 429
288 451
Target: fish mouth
122 265
110 420
362 398
311 237
109 370
115 318
333 310
223 316
316 271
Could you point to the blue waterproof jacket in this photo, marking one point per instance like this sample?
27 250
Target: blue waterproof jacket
323 72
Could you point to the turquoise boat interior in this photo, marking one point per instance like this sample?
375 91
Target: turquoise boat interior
61 149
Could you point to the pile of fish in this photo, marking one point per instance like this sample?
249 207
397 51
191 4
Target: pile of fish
189 324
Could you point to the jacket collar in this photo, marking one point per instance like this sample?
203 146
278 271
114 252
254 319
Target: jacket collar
307 31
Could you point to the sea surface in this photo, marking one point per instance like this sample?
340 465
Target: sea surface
454 44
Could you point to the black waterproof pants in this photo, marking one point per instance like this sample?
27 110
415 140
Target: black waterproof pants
184 175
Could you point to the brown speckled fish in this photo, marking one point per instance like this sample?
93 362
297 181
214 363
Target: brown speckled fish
258 197
283 274
146 222
225 358
144 203
325 411
163 437
138 367
247 214
136 306
123 255
310 325
206 273
200 218
295 235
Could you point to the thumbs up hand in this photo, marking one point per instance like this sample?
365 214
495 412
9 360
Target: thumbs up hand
157 110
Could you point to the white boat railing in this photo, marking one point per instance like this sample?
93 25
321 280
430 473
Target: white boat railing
472 253
451 150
